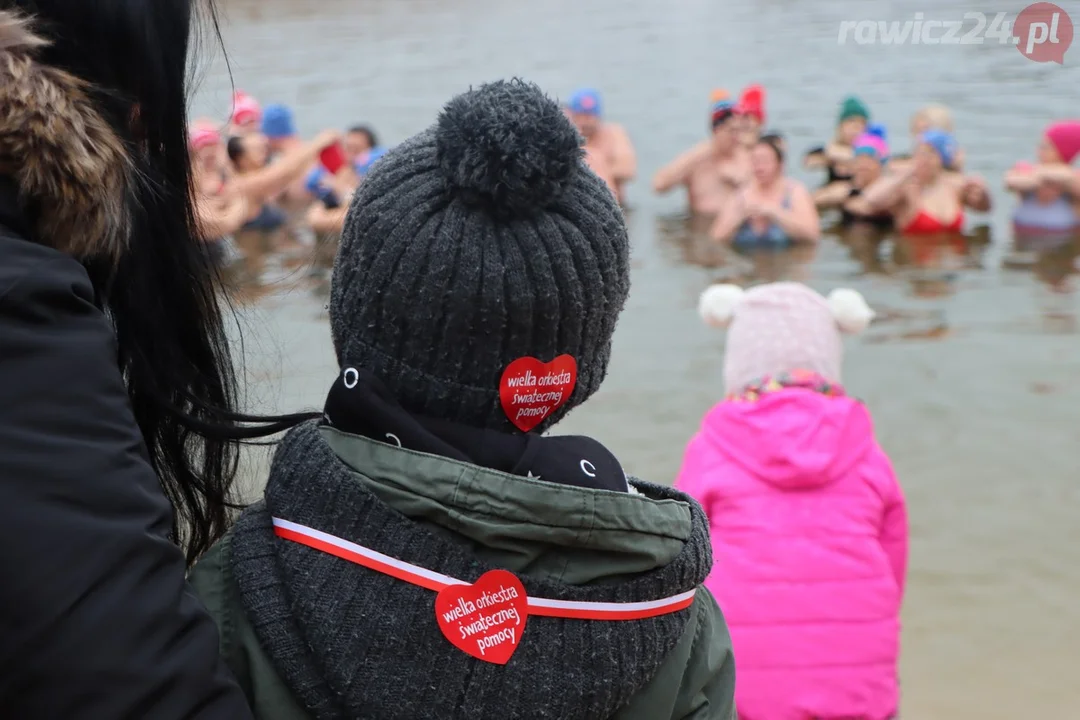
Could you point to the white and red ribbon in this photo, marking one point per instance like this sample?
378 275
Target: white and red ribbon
434 581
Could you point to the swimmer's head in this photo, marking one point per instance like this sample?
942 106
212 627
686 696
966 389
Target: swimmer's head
866 168
205 142
767 159
775 137
584 110
246 114
358 140
936 151
852 120
278 124
249 152
722 119
872 145
931 117
1061 143
750 114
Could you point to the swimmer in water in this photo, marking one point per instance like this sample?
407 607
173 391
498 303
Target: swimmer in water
750 115
606 143
930 117
837 156
1049 191
362 148
772 210
713 169
929 196
871 153
220 211
246 115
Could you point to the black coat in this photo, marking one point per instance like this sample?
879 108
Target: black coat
97 621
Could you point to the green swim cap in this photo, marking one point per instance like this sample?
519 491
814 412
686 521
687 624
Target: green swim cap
853 107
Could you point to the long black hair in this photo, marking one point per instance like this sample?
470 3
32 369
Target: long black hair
161 295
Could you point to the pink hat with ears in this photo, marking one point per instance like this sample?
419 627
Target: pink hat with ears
1065 137
246 109
782 327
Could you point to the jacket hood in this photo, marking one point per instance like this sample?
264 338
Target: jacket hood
794 439
69 170
344 622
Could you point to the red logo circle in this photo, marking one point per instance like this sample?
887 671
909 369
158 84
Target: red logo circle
1043 33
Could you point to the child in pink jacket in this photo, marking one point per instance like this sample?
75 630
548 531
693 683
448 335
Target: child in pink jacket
809 527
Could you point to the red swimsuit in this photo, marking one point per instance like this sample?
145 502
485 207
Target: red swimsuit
924 224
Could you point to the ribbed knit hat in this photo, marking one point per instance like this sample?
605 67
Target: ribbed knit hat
482 240
781 328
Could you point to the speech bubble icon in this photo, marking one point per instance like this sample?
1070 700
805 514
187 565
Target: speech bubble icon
1043 33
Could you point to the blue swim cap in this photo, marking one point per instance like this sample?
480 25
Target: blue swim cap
585 101
944 143
277 122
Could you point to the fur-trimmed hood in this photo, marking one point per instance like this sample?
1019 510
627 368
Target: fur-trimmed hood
69 167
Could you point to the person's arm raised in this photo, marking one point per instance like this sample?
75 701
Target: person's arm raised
678 171
974 194
887 191
1064 176
265 183
832 195
1021 179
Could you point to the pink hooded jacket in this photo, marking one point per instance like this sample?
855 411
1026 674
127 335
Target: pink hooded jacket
809 534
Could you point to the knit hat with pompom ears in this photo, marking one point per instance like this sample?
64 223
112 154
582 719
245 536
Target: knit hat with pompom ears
482 240
782 327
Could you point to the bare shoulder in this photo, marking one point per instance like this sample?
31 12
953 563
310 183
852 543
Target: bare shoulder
615 134
796 187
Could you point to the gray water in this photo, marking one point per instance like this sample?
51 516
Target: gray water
972 382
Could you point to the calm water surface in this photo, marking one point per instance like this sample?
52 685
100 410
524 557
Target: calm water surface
971 374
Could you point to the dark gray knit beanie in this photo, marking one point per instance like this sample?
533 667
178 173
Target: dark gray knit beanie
479 241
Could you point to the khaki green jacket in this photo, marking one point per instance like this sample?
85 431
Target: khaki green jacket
542 530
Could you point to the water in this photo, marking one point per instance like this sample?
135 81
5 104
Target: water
972 380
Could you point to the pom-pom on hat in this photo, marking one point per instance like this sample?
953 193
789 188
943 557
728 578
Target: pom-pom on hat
482 240
782 327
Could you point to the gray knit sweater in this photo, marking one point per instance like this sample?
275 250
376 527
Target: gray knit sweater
352 643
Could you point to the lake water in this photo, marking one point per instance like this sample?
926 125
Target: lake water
972 373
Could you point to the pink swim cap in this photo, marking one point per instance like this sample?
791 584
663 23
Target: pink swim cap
245 109
203 137
1065 137
870 143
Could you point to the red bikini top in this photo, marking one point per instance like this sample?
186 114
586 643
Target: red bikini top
925 223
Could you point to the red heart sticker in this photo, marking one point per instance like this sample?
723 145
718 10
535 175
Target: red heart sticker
531 390
485 619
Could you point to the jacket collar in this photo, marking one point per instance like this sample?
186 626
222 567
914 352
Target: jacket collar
325 622
67 173
562 532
